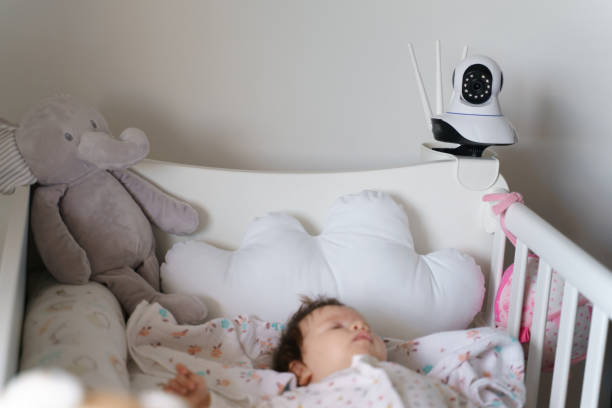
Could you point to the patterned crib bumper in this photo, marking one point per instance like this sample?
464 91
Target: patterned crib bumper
79 328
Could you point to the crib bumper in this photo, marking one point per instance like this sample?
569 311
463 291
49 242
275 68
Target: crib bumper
79 328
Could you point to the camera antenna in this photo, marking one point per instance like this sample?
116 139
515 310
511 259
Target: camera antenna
464 55
424 100
439 96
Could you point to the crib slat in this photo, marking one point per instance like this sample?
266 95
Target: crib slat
518 287
595 358
497 268
538 326
564 346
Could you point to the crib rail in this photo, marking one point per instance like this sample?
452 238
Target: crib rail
12 276
582 274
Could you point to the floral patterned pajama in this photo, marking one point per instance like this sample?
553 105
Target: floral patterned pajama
477 367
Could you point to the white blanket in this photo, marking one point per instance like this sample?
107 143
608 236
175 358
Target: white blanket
484 365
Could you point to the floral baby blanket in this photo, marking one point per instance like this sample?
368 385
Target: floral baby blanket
484 365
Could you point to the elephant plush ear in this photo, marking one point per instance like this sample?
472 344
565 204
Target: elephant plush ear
14 171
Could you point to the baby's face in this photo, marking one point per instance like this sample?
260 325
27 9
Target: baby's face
332 335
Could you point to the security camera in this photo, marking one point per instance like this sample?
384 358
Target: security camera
476 83
474 119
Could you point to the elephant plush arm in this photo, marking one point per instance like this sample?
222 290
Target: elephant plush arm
61 254
171 215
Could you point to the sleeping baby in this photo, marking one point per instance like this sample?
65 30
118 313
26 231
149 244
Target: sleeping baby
338 361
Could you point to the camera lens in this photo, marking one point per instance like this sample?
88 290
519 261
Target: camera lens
477 82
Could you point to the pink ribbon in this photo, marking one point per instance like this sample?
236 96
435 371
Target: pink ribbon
505 201
524 335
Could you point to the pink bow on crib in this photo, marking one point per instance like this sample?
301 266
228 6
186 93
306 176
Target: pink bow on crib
505 201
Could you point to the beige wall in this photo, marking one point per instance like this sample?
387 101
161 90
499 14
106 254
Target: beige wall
313 84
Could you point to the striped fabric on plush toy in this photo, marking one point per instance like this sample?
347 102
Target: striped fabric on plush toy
14 170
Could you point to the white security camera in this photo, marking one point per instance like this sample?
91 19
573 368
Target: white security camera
473 119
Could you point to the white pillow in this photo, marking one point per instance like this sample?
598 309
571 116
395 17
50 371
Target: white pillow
364 256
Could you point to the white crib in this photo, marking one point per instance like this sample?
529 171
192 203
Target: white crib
443 194
582 274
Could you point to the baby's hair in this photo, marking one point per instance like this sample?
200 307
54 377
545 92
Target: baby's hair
290 344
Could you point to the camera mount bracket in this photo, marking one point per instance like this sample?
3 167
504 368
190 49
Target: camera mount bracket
474 173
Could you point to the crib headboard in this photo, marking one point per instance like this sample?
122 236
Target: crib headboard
443 213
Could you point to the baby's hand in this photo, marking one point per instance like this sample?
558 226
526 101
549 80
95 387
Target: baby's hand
190 386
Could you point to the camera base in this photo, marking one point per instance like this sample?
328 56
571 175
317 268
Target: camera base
463 150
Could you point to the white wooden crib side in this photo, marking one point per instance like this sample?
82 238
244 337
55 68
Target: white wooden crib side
443 213
582 274
14 211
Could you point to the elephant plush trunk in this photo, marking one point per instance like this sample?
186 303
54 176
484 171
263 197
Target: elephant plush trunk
108 153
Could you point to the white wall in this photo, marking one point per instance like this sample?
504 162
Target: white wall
319 84
314 84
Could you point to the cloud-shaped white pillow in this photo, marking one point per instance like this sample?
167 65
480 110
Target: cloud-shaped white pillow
364 256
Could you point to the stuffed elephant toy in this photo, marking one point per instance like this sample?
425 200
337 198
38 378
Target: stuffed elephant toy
91 216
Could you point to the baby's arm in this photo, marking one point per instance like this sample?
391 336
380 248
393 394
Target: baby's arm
190 386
